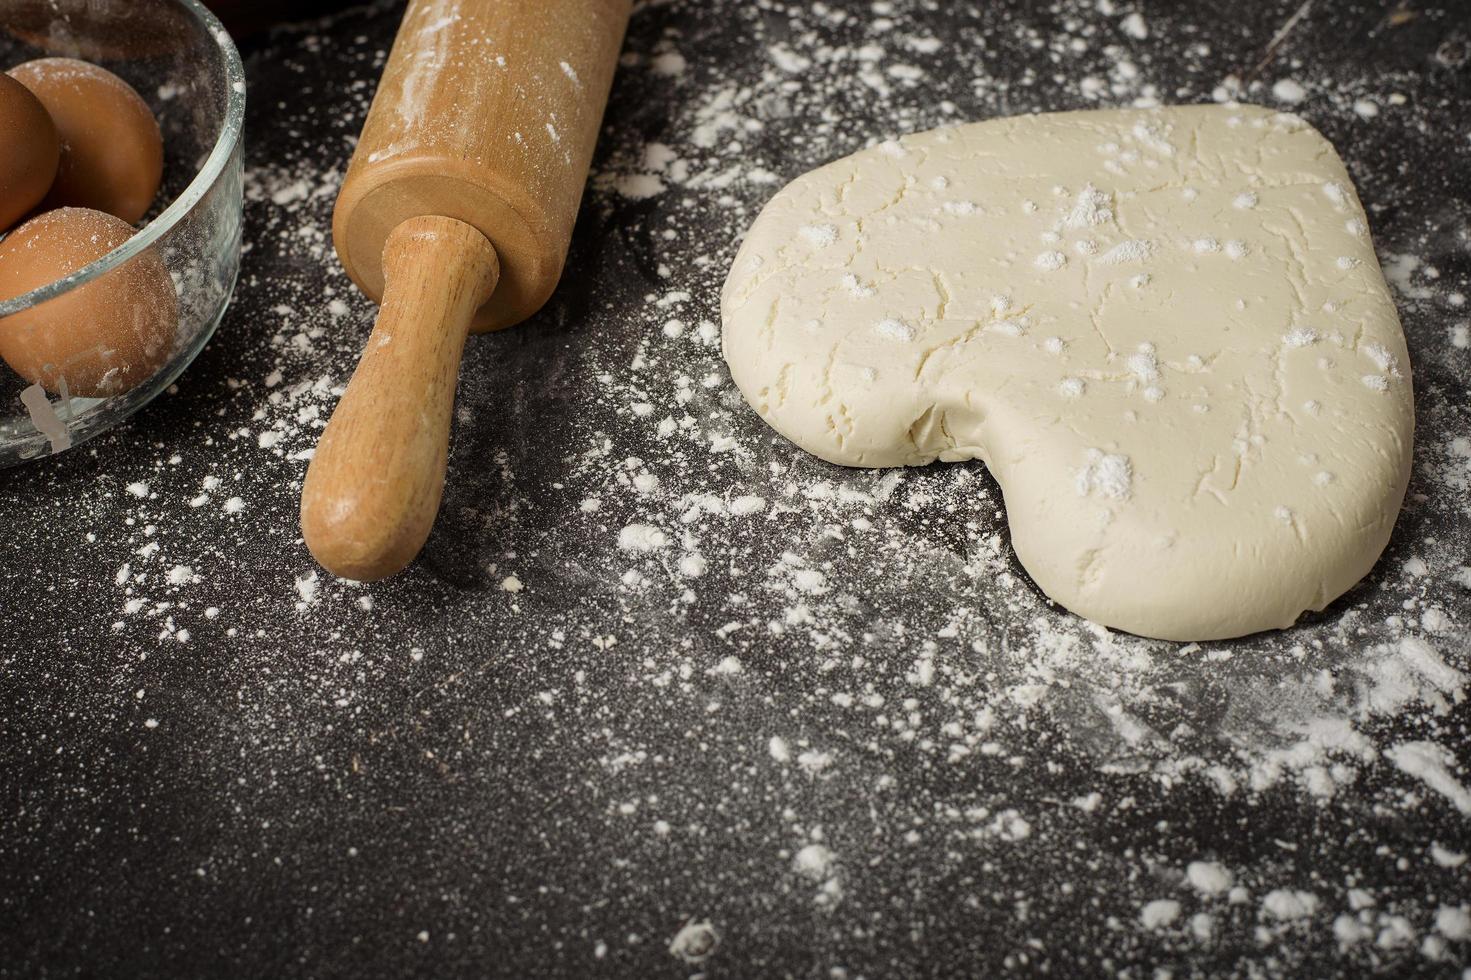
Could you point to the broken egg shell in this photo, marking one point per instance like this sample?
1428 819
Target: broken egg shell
111 147
101 338
29 151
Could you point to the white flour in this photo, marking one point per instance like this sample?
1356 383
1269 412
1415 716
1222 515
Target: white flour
884 605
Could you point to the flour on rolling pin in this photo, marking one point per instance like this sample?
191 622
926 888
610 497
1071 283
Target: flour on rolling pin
429 57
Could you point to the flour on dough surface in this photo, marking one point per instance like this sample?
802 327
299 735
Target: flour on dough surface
1157 375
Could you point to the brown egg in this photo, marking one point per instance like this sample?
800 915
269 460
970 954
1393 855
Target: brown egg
101 338
28 151
111 149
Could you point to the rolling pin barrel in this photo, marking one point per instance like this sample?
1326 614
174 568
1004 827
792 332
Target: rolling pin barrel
456 214
488 112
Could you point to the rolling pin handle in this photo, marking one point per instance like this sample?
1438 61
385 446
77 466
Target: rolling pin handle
374 485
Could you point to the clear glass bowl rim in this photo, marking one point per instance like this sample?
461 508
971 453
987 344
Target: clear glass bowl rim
214 165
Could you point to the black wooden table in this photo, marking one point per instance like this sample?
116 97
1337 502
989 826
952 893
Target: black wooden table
665 696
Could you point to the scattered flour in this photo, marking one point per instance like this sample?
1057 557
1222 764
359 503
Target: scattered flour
870 696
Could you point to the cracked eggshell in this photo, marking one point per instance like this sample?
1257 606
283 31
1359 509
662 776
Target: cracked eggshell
1200 413
101 338
111 147
29 151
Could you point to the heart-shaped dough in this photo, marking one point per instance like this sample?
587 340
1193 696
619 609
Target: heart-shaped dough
1164 331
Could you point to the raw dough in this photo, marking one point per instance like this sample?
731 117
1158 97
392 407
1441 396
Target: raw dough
1164 331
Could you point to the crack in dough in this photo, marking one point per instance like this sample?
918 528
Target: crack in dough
1084 301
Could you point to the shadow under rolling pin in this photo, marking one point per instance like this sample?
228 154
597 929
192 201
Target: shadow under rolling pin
456 214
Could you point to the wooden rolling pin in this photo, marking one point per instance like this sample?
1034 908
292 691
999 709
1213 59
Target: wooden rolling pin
455 214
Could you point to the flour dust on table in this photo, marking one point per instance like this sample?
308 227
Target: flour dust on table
666 693
1164 331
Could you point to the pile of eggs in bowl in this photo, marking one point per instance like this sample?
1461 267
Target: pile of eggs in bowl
81 161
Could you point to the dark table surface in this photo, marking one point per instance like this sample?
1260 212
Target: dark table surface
833 731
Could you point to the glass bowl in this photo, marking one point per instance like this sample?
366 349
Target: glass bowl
184 65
